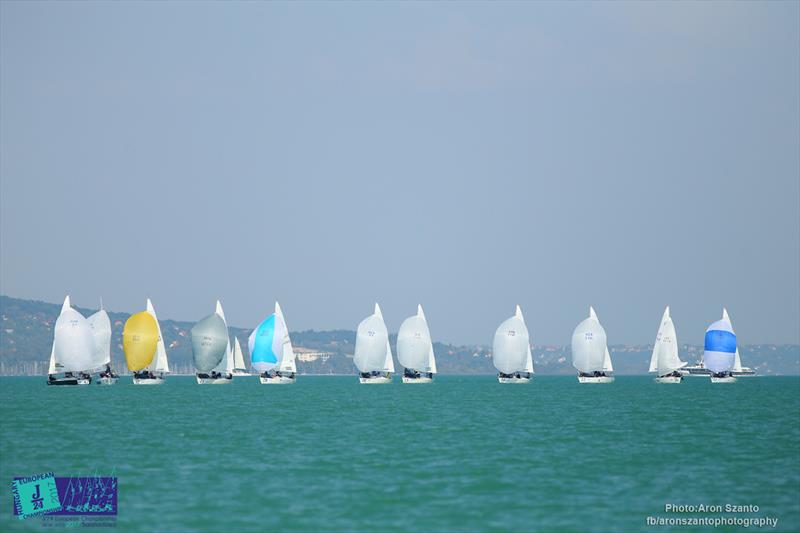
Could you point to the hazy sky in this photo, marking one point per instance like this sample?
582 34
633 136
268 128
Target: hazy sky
466 156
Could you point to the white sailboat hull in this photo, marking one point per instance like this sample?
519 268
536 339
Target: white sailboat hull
723 379
595 379
276 380
521 379
241 374
420 379
375 380
106 380
669 379
70 381
214 381
148 381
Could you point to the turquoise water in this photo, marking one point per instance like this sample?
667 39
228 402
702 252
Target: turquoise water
464 453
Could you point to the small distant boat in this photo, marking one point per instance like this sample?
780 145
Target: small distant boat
101 331
73 349
590 355
697 370
373 354
155 371
239 369
271 353
511 350
415 349
719 351
211 349
665 361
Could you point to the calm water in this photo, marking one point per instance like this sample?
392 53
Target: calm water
464 453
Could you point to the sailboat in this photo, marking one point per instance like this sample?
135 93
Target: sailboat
271 353
665 361
211 349
738 370
415 349
73 349
373 355
140 343
101 331
155 372
511 350
719 351
590 355
239 369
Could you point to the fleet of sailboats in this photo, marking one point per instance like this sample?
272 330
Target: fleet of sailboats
415 349
373 354
511 350
82 347
271 353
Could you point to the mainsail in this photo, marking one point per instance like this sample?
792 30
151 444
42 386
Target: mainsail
719 353
225 364
160 363
737 360
665 358
511 346
140 340
589 351
100 325
238 358
287 363
373 352
414 346
73 343
209 342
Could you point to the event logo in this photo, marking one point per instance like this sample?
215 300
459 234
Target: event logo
45 494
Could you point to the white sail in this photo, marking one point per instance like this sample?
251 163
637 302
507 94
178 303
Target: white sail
160 362
52 368
287 363
666 347
656 346
607 366
226 365
737 360
511 345
431 362
529 362
238 357
388 362
100 325
73 343
372 343
589 351
414 345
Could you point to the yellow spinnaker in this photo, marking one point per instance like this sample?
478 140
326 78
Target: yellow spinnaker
139 340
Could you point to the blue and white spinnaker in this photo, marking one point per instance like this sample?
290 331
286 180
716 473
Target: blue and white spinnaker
720 345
